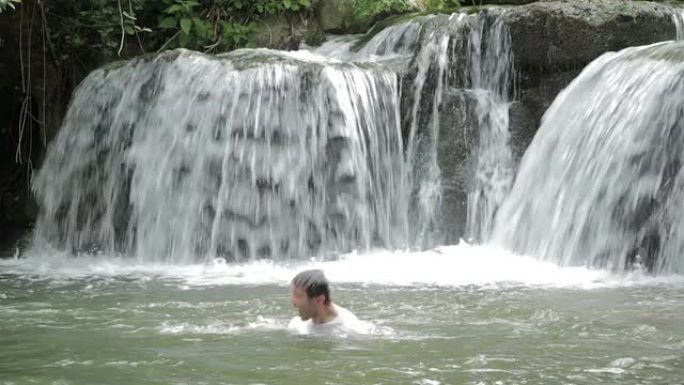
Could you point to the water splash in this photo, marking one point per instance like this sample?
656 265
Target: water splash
449 266
602 183
253 154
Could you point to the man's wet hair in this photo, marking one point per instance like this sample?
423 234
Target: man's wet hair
314 282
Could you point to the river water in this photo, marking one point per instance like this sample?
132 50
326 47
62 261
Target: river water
216 178
452 315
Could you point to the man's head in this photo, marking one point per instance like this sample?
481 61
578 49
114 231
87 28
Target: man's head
310 293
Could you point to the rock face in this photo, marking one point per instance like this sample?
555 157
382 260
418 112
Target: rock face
287 33
556 36
456 161
334 16
554 40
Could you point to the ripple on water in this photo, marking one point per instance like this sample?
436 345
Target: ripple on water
622 362
605 370
545 316
134 364
645 330
427 381
221 328
68 362
616 367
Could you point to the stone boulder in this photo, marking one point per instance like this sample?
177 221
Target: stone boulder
560 35
554 40
287 33
335 15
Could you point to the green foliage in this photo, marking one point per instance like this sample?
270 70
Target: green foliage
370 9
84 29
184 17
4 4
219 24
441 5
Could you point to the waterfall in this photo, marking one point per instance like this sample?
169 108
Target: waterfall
421 151
267 154
394 43
678 18
465 67
602 182
491 74
252 154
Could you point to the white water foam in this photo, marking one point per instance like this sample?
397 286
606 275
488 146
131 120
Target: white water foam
220 328
447 266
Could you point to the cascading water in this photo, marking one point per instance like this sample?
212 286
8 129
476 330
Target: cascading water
254 154
425 181
396 41
262 153
678 18
491 74
602 183
469 62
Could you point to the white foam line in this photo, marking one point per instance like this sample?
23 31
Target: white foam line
448 266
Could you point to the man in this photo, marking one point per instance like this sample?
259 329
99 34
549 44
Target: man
317 313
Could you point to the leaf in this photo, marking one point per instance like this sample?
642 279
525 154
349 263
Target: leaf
173 9
168 22
184 40
76 40
200 27
186 26
227 28
129 16
129 30
189 5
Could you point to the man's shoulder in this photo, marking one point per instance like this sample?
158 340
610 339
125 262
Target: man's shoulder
351 323
299 325
343 311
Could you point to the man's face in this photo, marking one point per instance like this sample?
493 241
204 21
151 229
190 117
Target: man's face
306 307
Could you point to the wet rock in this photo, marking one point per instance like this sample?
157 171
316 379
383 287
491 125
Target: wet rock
457 137
554 40
287 33
558 36
335 15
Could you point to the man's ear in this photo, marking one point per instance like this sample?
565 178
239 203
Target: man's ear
320 299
